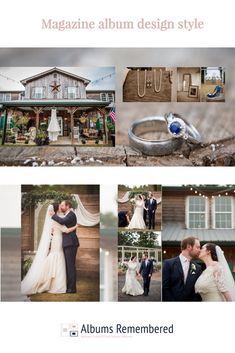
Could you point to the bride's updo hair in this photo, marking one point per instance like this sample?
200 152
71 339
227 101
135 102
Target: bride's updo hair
132 257
55 206
212 248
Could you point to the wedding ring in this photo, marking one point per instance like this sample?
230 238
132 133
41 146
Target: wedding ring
178 129
152 147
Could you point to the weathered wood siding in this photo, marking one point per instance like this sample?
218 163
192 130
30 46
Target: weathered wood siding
173 207
63 80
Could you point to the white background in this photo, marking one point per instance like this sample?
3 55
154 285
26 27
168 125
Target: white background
35 327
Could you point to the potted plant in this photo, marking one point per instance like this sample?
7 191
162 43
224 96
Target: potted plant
111 132
21 121
41 138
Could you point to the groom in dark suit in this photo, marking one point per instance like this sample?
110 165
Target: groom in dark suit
151 205
70 243
180 273
146 270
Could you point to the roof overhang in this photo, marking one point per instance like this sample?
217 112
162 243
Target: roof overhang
54 69
54 103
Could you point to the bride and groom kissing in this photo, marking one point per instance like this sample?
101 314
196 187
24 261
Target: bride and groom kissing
185 280
54 267
145 210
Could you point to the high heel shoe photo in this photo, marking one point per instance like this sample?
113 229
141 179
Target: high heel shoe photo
216 93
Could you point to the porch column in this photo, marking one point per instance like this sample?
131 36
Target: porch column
103 114
5 114
72 111
37 111
156 256
123 254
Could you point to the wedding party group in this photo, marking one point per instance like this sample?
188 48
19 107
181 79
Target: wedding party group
144 213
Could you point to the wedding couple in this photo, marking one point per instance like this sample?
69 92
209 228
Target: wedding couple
132 285
184 280
143 208
54 267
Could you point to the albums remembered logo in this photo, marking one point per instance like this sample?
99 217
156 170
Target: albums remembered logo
88 330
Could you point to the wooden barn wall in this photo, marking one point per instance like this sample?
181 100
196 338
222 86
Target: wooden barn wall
173 208
64 80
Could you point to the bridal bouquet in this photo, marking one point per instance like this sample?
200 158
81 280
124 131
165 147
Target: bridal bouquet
132 201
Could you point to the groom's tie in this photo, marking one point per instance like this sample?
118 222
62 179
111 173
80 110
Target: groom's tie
185 269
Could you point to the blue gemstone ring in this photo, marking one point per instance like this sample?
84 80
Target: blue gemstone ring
179 131
179 128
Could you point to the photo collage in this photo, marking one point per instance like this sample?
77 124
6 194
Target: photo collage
94 110
152 243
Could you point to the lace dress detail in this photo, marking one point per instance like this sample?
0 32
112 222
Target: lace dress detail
211 284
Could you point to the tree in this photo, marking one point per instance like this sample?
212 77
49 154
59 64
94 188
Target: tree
148 239
108 220
138 239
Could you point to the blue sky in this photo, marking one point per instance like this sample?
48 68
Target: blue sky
92 73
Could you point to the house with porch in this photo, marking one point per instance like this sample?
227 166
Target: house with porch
81 116
204 211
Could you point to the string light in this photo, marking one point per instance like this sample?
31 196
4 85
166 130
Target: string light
92 82
227 189
9 78
102 78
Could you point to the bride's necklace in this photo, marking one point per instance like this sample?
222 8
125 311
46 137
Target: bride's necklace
141 95
157 90
149 79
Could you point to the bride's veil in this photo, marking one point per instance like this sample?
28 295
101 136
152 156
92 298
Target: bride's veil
229 281
84 217
31 279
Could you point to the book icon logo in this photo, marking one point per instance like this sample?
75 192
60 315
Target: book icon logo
69 330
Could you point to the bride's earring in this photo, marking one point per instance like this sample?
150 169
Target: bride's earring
149 81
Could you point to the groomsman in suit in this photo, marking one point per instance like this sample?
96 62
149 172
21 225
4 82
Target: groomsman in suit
180 273
151 205
146 270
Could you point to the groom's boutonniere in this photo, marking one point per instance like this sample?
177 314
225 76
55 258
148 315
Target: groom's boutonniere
193 269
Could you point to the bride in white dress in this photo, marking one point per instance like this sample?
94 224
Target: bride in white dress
132 285
216 282
137 220
48 271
